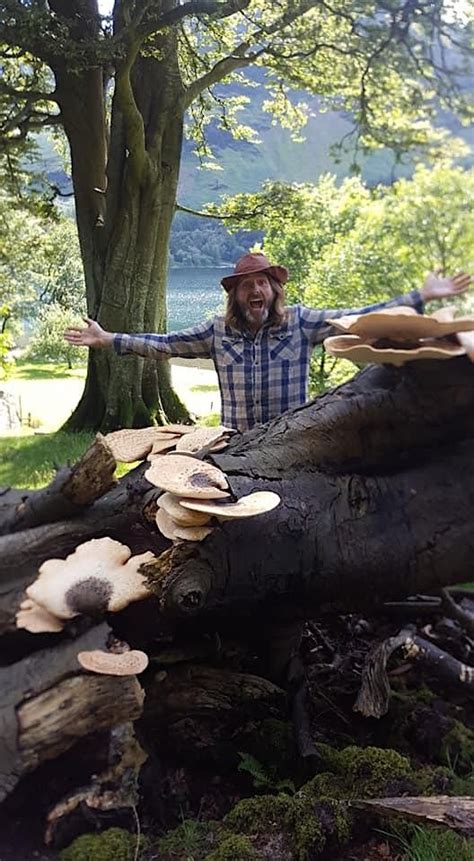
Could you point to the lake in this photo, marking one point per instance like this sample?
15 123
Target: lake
194 294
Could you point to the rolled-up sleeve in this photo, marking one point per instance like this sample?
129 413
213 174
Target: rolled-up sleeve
315 326
197 341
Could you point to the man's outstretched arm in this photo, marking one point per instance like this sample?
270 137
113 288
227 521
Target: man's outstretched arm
196 341
436 286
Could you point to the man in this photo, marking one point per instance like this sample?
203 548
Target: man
260 348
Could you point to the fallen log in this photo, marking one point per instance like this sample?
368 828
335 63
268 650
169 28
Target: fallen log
435 811
370 478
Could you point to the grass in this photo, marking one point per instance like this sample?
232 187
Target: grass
31 461
23 370
430 844
45 392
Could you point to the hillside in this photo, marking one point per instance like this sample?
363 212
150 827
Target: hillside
240 166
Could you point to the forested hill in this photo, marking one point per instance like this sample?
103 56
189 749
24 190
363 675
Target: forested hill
240 166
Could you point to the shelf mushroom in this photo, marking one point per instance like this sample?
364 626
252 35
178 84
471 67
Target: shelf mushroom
100 576
247 506
359 350
398 335
174 531
35 619
171 505
187 476
129 663
203 436
403 324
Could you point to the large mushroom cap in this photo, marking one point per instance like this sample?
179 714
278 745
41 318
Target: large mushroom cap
130 445
358 350
172 530
35 619
200 438
166 524
110 664
402 324
100 576
178 429
171 504
186 476
247 506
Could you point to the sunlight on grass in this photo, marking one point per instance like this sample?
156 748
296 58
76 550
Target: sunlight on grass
31 460
46 371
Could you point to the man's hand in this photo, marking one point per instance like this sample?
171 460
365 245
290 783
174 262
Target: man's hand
438 287
92 336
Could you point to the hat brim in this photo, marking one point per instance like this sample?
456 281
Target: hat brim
280 273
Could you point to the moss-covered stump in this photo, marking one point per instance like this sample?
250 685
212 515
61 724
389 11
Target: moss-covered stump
115 844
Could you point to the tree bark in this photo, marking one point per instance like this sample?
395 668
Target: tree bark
124 221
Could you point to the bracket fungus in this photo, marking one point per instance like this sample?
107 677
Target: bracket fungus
364 351
186 476
100 576
112 664
398 335
201 437
172 505
174 531
36 619
403 324
247 506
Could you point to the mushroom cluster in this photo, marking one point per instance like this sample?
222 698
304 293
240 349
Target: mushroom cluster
398 335
128 446
100 576
195 492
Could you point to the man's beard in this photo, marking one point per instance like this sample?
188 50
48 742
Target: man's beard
261 318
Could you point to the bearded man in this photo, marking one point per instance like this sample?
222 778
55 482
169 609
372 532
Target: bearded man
261 348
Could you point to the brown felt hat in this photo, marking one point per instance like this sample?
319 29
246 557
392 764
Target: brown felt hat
253 263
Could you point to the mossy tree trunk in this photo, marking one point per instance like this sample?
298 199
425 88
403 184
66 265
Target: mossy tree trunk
125 179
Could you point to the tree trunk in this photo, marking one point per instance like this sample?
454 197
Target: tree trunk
376 504
124 223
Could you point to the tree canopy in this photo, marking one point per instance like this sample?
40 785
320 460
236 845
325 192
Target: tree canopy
122 87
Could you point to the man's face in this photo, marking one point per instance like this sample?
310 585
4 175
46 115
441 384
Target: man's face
254 296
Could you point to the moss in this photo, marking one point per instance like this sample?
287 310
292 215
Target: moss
457 749
363 772
115 844
268 813
191 838
234 848
296 818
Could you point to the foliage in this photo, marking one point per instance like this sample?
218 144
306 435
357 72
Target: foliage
390 67
264 778
204 242
48 341
6 344
348 246
40 264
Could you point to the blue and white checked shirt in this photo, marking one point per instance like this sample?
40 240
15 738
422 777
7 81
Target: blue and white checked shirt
260 376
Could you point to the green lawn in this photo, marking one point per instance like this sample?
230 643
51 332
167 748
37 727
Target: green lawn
31 460
45 393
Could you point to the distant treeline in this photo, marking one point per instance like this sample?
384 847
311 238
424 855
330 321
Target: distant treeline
197 241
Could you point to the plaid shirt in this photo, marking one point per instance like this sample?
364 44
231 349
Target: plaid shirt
262 375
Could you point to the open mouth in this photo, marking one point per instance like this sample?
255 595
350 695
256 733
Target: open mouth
256 304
